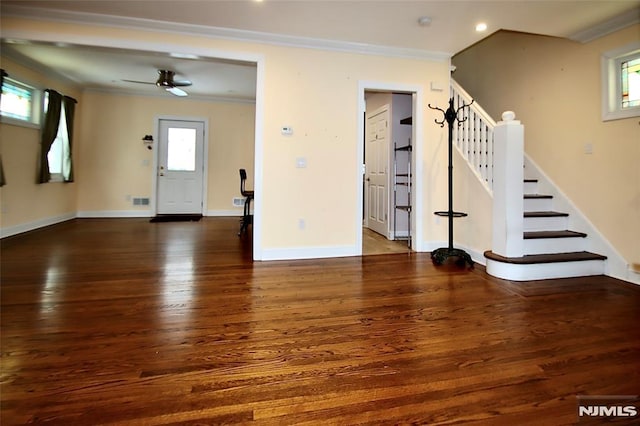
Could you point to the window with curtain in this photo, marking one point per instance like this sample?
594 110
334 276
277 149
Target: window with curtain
57 136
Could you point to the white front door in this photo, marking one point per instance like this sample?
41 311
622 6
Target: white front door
180 167
376 171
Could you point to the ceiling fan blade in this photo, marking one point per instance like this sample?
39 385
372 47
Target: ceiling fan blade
182 83
137 81
176 91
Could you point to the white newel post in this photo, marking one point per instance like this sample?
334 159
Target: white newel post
508 187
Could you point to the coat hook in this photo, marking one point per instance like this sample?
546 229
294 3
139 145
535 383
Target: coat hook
148 141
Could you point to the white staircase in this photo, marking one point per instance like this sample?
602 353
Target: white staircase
531 241
550 249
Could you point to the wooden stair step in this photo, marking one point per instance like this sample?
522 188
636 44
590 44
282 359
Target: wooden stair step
553 234
545 258
545 214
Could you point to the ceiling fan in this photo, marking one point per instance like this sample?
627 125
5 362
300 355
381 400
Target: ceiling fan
166 81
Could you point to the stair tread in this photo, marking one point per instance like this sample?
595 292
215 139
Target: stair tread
545 258
536 196
553 234
545 214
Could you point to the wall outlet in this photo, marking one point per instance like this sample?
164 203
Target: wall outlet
588 148
238 202
301 224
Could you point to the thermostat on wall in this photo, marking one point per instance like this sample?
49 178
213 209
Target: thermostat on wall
286 130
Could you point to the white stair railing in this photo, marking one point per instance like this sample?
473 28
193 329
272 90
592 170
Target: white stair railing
495 152
474 137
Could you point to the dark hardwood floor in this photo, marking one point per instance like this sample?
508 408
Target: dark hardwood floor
128 322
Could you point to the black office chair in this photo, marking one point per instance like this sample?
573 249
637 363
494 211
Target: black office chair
247 217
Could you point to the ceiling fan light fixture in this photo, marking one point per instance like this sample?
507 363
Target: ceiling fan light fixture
165 78
176 91
165 81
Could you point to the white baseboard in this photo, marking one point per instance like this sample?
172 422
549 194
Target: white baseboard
30 226
309 252
223 213
114 213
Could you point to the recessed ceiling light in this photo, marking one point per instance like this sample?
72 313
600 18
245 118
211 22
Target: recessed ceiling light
183 55
481 27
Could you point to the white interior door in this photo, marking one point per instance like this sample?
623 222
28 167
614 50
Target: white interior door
180 167
376 171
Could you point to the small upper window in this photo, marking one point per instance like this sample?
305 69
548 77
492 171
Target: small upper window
621 83
19 102
631 83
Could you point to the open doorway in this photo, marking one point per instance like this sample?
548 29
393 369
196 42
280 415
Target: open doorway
388 172
129 69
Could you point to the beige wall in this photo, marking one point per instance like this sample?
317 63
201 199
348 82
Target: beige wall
315 92
115 165
22 200
553 85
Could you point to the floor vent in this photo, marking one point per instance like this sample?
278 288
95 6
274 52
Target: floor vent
140 201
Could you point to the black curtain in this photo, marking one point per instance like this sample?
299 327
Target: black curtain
69 111
3 181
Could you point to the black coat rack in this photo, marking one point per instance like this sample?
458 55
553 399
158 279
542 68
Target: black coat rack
441 255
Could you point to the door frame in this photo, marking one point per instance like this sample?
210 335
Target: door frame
156 154
417 195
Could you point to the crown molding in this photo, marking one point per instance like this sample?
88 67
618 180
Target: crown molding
43 14
612 25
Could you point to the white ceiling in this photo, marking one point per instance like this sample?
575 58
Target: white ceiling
347 25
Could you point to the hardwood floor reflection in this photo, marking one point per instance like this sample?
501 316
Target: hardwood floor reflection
122 321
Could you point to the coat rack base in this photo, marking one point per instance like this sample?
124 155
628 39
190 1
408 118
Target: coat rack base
441 255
